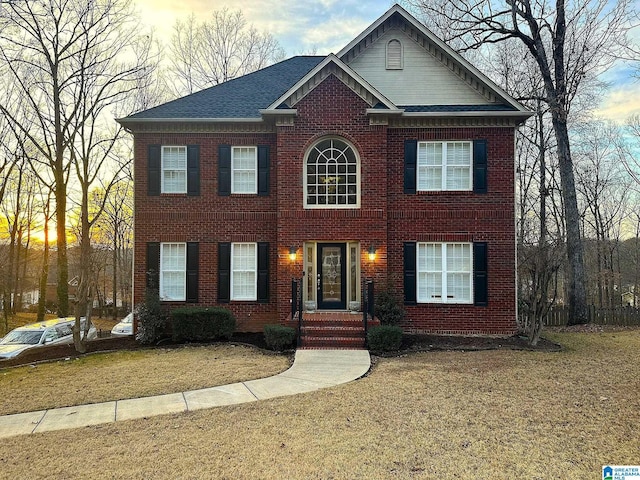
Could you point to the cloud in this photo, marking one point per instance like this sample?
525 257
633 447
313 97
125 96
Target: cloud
327 25
621 102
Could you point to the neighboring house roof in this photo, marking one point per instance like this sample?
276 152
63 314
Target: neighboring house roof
275 90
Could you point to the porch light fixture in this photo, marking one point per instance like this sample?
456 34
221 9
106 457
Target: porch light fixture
372 253
292 253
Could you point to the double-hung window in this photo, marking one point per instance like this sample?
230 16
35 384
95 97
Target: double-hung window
444 273
173 271
174 169
444 166
244 271
244 165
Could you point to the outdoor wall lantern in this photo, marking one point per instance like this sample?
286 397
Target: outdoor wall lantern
292 253
372 253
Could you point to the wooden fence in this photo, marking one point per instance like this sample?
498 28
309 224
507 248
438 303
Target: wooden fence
559 316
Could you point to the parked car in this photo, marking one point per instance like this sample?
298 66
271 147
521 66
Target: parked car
125 327
49 332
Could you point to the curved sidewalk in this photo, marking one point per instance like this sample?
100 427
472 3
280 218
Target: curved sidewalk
311 370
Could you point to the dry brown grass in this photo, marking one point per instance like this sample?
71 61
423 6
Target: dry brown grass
474 415
128 374
19 319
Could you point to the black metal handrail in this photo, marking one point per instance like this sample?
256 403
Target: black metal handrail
367 305
296 305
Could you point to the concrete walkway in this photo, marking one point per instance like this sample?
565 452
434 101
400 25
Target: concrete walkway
311 370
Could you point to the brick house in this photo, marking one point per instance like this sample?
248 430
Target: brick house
392 160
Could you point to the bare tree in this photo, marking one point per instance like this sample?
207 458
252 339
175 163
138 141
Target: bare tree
74 64
206 53
566 44
603 185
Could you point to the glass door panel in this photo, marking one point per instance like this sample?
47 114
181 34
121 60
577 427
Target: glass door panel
331 276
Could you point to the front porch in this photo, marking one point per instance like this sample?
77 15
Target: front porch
331 330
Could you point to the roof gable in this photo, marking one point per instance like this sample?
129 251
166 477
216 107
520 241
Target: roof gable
331 65
427 57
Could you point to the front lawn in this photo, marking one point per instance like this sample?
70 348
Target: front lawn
124 374
471 415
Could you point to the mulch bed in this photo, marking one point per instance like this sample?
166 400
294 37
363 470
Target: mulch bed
410 343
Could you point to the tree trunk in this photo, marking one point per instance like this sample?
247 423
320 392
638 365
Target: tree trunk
61 242
577 293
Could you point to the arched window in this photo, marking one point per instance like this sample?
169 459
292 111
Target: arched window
394 55
332 175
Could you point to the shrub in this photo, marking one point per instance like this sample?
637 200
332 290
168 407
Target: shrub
197 324
152 321
279 337
388 309
384 338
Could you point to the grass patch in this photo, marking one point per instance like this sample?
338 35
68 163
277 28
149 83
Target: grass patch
20 319
468 415
128 374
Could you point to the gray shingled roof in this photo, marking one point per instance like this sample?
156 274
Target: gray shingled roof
241 97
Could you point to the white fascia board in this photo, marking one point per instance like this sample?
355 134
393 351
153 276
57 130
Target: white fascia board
440 44
279 111
382 111
331 58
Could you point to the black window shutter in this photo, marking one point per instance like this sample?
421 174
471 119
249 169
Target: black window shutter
224 170
154 167
480 287
263 272
480 166
193 170
263 170
409 273
192 271
153 266
410 160
224 272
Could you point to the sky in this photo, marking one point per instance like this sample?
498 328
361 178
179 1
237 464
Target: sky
325 26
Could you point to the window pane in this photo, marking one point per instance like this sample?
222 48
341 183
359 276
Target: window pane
458 287
173 261
459 153
331 177
243 271
444 166
244 165
450 262
174 169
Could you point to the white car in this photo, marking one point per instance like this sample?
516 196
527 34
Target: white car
49 332
125 327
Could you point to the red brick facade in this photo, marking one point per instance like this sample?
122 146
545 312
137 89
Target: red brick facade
386 217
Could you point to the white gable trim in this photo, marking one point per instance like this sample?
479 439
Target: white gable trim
447 51
331 65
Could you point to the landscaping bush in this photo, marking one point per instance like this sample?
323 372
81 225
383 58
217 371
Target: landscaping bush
279 337
384 338
152 321
388 308
201 324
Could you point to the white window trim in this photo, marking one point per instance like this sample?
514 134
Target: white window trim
443 165
255 169
390 67
162 168
444 272
253 297
358 181
162 271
